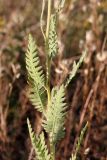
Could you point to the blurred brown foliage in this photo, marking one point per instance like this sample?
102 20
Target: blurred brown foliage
81 24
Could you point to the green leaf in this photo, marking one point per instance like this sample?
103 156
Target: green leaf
54 123
75 68
37 97
38 144
35 76
79 142
52 41
32 63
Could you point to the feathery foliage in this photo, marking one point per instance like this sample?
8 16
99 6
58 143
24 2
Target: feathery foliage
52 42
54 123
51 103
32 63
38 144
37 97
35 76
75 68
80 139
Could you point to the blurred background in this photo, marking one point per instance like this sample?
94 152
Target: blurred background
81 24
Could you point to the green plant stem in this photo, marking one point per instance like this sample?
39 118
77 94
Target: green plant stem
41 18
48 61
52 150
48 18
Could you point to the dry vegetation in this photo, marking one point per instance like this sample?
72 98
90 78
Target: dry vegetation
82 23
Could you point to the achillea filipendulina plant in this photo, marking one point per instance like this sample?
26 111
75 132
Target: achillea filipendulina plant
50 102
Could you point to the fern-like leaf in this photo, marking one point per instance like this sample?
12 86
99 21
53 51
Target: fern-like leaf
38 97
32 63
54 123
38 144
35 76
80 140
52 41
75 68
